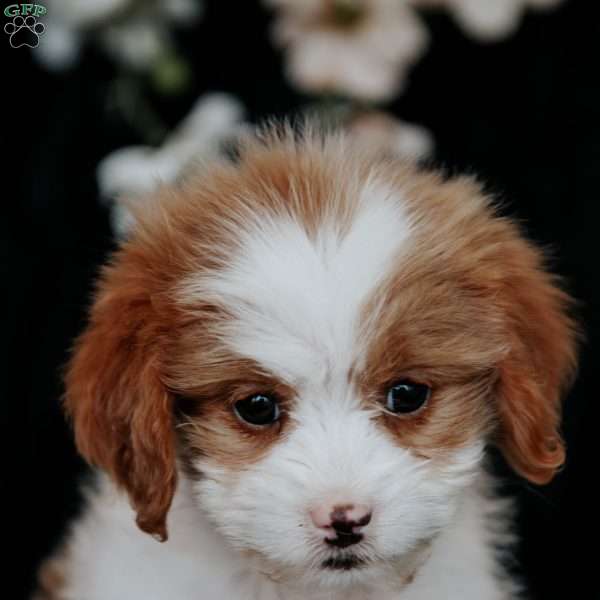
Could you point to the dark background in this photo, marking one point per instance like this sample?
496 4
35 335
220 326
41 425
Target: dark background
522 113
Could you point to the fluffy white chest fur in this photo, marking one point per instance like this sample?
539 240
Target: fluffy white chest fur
109 558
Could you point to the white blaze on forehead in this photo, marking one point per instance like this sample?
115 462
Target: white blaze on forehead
297 300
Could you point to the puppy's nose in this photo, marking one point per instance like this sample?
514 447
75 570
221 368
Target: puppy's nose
342 523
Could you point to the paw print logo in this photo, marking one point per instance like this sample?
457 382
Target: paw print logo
24 31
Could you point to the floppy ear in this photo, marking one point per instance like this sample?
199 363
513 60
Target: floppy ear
121 412
538 367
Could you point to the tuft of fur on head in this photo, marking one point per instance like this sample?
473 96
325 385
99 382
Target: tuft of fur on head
320 273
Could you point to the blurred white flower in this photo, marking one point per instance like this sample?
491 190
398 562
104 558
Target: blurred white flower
399 138
359 48
182 11
137 42
67 21
133 32
488 20
59 47
134 171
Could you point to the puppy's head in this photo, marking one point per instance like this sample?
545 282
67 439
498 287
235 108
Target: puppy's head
324 340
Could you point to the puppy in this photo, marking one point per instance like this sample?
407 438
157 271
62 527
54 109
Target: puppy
291 372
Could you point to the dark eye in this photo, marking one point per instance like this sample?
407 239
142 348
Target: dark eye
407 396
259 409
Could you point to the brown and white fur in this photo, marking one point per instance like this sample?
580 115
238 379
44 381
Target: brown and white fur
317 274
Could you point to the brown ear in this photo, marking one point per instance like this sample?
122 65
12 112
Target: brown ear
539 366
120 410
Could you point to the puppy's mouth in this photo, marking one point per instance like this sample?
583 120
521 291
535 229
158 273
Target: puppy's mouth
343 563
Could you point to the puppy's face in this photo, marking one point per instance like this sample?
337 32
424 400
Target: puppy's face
324 343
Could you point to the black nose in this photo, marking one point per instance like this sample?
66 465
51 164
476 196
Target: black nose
344 529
